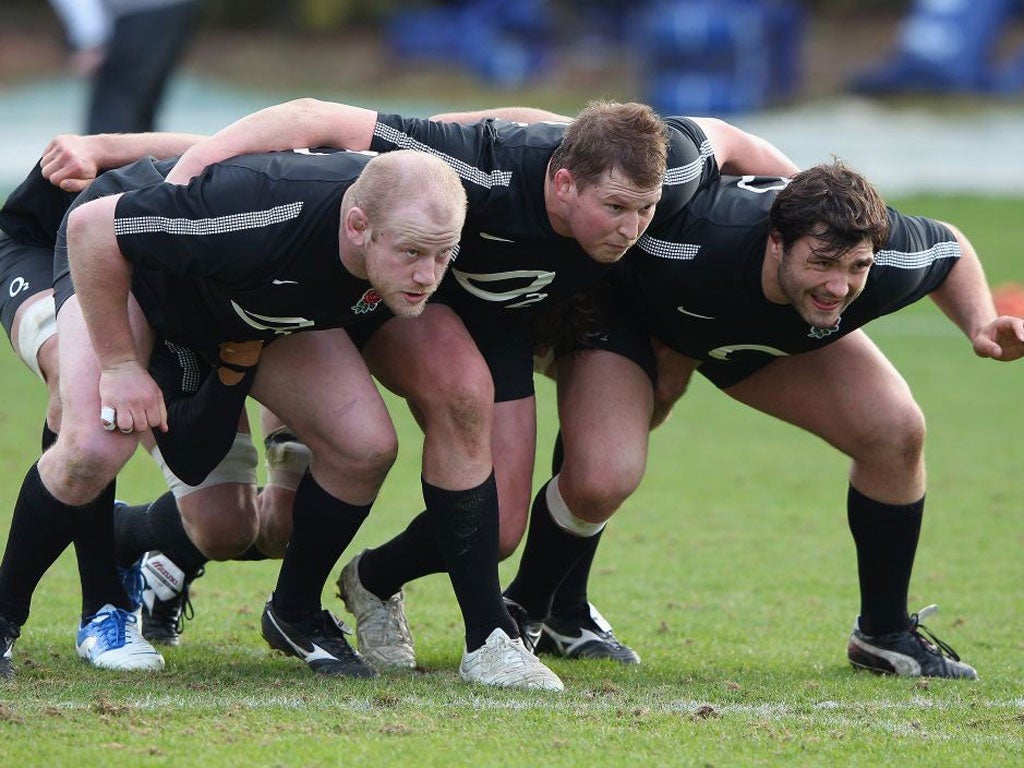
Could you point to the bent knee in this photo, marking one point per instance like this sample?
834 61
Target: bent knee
461 404
78 469
595 493
368 461
224 543
897 437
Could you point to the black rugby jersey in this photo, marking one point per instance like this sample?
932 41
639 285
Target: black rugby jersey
248 250
509 257
697 285
34 209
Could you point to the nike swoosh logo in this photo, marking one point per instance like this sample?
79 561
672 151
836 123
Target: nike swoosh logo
285 282
488 236
313 653
694 314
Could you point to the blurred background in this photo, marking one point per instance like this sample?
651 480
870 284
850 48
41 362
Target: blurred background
921 95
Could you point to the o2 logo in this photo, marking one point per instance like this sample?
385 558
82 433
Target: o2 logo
18 285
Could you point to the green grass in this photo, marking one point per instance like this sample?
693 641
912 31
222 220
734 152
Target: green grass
731 571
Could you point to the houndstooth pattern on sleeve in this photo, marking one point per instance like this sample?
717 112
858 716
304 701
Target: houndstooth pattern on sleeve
188 362
918 259
466 171
235 222
666 250
692 170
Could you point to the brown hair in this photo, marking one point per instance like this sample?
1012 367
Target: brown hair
629 137
833 203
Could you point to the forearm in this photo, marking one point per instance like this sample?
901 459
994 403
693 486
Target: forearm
525 115
740 153
71 161
112 150
964 295
102 280
299 123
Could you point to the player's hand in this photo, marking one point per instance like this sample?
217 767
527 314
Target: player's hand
130 401
1002 339
68 162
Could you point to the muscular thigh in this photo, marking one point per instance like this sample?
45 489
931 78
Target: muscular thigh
847 393
318 384
80 368
428 356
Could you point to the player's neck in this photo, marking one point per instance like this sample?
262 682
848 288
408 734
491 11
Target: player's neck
352 258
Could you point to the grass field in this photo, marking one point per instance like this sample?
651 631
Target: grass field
731 571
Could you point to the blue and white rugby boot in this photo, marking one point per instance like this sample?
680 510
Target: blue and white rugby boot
110 639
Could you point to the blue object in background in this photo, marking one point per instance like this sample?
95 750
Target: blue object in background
702 57
505 42
946 46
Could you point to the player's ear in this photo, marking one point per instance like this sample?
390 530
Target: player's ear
564 183
775 245
356 226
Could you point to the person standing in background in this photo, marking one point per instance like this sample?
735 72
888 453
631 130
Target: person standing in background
129 48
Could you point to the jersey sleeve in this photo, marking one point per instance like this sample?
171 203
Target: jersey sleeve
691 166
915 260
469 149
33 210
224 225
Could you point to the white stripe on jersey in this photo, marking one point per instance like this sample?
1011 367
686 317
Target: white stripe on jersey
668 250
687 173
920 259
466 171
137 225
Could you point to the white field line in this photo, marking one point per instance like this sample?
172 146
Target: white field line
641 705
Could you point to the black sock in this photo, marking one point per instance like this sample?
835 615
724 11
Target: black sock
94 550
571 596
548 555
466 530
411 554
323 526
49 436
156 526
886 539
41 528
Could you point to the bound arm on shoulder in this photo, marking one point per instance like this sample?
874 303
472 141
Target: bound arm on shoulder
299 123
72 161
524 115
741 153
966 299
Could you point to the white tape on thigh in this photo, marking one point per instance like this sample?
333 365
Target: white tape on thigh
287 462
38 323
238 466
563 516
